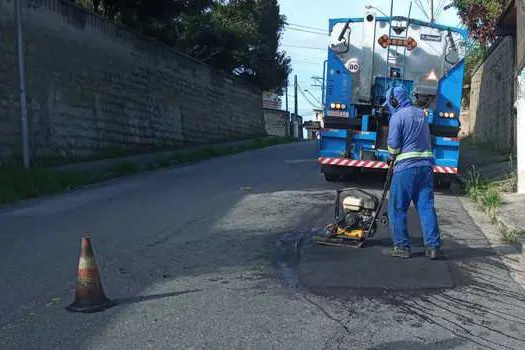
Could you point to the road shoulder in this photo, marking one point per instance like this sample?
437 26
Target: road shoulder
510 254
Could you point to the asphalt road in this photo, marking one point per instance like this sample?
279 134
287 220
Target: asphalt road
218 255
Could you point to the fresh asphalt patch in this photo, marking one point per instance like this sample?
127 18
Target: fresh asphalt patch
368 269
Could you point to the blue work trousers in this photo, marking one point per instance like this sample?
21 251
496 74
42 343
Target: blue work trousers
416 185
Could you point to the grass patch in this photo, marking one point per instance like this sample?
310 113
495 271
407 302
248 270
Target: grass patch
484 193
488 195
212 152
511 236
18 183
510 183
123 168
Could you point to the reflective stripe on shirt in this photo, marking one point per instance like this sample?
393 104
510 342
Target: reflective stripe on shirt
409 155
393 150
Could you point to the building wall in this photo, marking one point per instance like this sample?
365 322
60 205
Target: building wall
520 26
277 122
297 127
94 87
491 116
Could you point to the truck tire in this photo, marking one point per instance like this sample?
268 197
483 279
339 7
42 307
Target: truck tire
331 177
443 184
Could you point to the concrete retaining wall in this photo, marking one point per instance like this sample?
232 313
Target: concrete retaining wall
491 117
94 87
277 122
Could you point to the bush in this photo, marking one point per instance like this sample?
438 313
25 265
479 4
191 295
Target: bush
487 195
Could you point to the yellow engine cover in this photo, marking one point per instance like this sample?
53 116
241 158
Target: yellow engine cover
355 233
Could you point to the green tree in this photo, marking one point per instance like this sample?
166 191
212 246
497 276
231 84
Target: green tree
235 36
480 18
269 67
220 37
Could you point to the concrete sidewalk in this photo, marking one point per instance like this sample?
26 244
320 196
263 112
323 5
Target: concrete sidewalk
494 166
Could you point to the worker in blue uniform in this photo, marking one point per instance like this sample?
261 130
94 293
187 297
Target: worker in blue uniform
410 152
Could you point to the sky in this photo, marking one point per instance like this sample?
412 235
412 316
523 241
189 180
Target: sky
309 50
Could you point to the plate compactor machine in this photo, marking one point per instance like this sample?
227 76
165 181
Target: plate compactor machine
361 212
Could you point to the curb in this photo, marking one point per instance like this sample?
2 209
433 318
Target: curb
502 224
511 254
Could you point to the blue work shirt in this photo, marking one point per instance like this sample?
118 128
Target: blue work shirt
409 137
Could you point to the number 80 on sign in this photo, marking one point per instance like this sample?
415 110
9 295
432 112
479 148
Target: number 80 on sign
353 66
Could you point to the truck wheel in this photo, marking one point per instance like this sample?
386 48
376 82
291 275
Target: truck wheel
444 184
330 177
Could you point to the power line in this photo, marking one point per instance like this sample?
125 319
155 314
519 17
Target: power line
305 47
307 31
422 8
315 98
307 100
306 97
307 62
440 8
305 27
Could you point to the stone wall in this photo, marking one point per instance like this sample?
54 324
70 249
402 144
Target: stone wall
277 122
464 119
94 88
492 119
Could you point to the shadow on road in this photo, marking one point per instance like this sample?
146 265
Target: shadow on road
199 235
469 293
464 294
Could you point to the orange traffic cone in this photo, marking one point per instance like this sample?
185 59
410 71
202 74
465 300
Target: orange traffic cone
89 294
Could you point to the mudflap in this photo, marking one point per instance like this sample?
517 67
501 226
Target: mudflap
334 173
444 181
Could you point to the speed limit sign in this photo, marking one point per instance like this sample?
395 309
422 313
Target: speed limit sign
353 66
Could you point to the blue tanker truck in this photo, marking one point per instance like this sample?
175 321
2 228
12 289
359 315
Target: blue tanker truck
367 56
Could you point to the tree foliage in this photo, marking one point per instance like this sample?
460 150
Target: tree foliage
480 18
235 36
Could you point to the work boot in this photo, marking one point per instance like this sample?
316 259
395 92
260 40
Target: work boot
433 253
398 252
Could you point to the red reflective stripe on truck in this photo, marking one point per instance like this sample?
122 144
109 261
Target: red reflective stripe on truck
353 163
376 164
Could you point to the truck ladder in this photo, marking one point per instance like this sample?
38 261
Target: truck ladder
391 61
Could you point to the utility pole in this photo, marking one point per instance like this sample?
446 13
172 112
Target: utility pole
431 3
296 108
295 96
520 132
286 93
21 70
